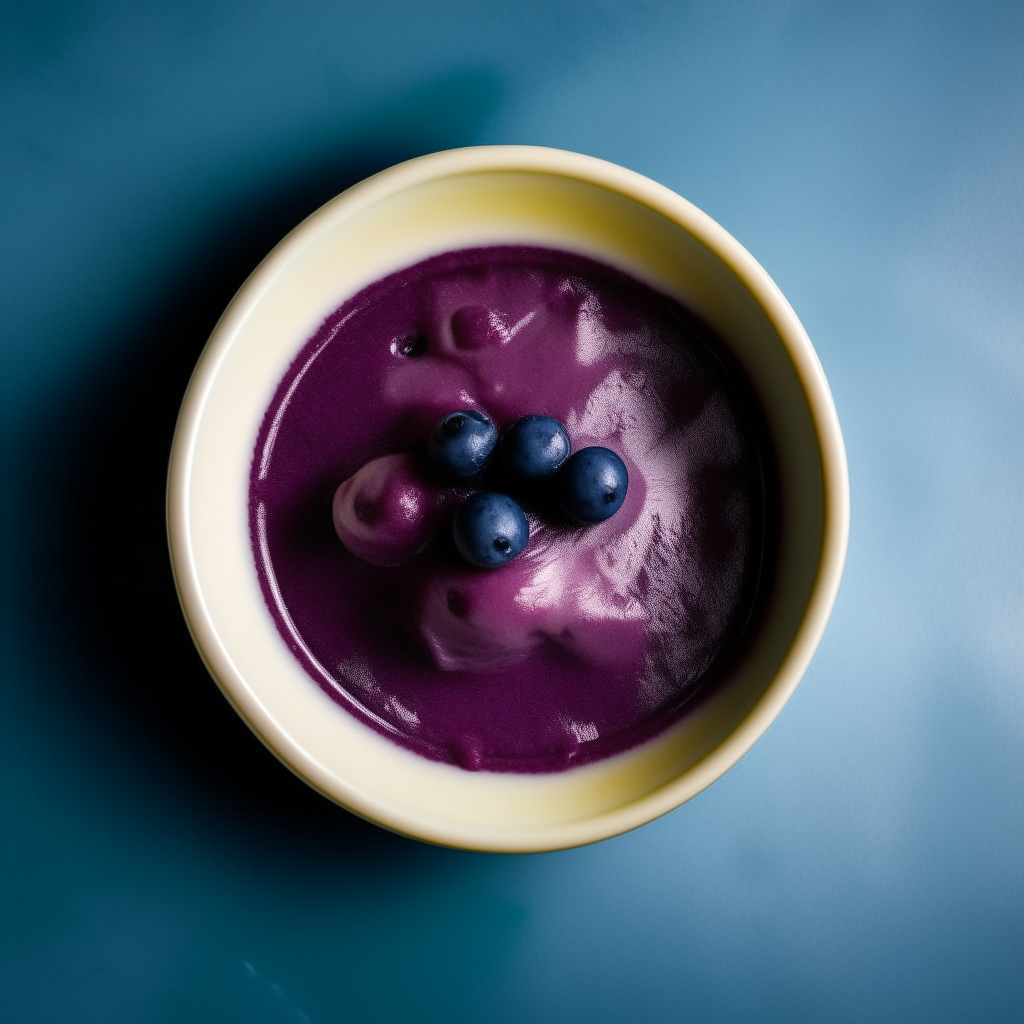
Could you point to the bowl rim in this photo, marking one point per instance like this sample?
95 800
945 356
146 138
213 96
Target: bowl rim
791 334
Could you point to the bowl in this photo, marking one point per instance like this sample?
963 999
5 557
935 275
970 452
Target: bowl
451 200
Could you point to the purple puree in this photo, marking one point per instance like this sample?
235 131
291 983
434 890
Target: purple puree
596 637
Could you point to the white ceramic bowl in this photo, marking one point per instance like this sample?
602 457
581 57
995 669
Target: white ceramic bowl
452 200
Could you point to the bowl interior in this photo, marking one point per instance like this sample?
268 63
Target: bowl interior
457 200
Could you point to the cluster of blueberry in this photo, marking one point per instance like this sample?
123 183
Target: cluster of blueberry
490 528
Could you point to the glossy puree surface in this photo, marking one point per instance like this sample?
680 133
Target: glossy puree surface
596 637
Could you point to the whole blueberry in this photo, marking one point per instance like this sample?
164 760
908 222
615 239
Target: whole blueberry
592 484
462 444
533 448
490 529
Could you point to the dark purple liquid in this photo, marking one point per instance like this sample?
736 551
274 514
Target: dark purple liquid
595 638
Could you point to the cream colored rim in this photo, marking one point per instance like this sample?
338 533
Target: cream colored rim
501 193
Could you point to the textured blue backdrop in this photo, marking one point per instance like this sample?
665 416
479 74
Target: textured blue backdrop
864 862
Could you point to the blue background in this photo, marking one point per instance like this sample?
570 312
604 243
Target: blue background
863 862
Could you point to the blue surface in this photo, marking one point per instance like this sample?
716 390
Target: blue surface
862 863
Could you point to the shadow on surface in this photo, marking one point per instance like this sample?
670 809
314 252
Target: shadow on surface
99 565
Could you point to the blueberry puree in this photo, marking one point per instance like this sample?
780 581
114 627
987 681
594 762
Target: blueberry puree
597 636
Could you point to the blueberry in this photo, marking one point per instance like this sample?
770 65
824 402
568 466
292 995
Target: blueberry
592 484
462 444
490 529
533 448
